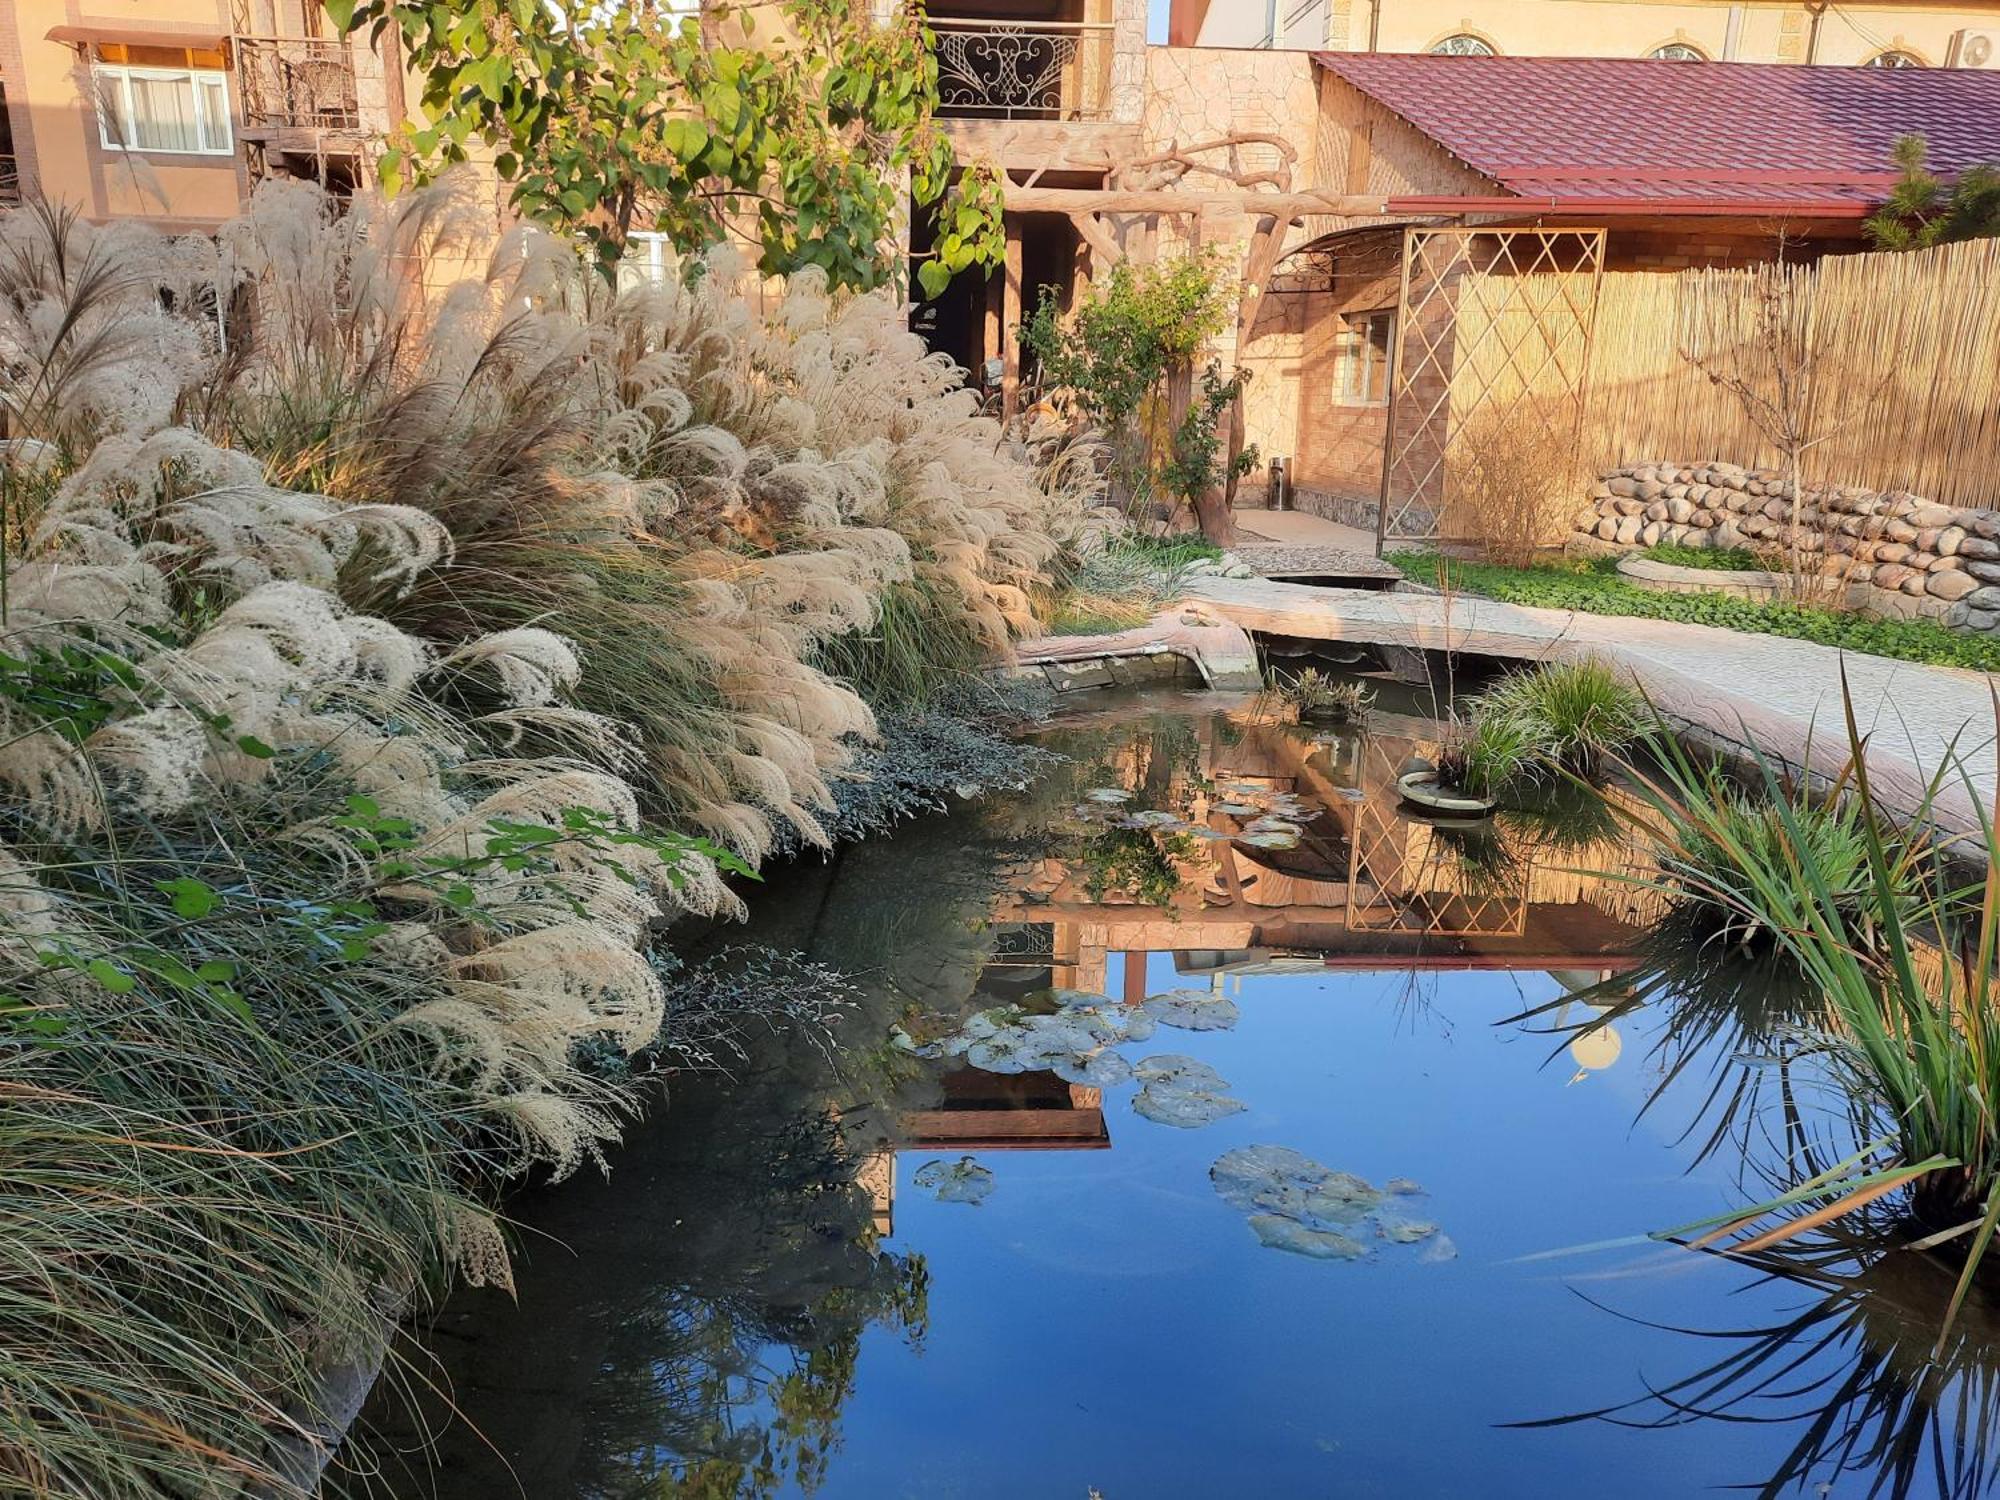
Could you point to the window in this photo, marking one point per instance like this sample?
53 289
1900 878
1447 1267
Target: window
647 258
1464 44
1894 58
1678 52
1361 359
163 99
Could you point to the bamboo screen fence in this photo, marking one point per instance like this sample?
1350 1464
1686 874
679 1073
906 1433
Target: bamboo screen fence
1901 351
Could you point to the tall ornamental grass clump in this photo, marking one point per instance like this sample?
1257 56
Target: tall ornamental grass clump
1902 957
756 524
1570 715
324 846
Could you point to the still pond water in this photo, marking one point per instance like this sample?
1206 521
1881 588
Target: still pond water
1359 1210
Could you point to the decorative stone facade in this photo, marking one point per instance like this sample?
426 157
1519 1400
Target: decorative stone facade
1898 553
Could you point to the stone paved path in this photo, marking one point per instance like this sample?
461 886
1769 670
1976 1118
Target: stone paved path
1783 695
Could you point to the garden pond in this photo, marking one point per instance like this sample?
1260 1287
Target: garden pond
1202 1122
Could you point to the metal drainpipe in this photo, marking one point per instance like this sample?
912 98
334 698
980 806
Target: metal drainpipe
1374 25
1817 10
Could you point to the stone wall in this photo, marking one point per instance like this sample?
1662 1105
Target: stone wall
1898 553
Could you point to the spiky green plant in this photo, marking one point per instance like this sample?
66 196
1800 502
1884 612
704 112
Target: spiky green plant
1322 696
1906 972
1572 713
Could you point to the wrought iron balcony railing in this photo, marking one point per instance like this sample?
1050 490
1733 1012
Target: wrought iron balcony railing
299 83
10 180
1025 70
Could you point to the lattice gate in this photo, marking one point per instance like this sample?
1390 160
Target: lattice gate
1494 329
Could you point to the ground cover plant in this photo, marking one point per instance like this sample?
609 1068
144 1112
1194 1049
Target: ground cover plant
1594 587
1711 559
379 673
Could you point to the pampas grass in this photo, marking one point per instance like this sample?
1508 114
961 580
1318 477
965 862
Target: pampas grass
351 669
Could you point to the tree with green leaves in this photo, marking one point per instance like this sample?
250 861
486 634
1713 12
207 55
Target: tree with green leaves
1125 358
1923 210
606 117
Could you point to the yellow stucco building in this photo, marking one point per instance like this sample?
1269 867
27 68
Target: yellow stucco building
168 111
1881 34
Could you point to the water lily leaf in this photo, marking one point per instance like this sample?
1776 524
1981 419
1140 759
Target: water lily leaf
1267 1179
1281 1233
1107 795
1404 1231
1186 1108
1236 809
1067 998
1271 840
1151 819
1176 1067
1132 1022
1001 1054
1402 1187
962 1181
1103 1069
1193 1010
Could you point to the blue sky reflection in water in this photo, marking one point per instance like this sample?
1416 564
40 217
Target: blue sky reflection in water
745 1308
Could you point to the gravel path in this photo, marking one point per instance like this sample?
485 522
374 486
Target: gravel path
1783 695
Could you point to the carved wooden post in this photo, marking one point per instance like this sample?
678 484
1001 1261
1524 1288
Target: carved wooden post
1010 323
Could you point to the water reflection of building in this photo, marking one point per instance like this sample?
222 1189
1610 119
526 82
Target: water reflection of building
1369 886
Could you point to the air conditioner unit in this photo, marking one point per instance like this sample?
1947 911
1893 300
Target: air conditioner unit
1973 49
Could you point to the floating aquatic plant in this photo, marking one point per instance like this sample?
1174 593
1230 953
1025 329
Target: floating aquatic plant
1193 1010
961 1181
1297 1204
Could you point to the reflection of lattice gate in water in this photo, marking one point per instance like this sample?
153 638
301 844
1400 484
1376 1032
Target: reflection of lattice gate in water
1494 325
1406 876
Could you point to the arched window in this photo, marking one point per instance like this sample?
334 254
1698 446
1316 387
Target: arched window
1678 52
1895 58
1464 44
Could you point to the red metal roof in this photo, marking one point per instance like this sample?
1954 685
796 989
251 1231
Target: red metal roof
1597 134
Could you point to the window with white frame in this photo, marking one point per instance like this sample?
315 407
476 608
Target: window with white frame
648 255
1361 358
163 99
1463 44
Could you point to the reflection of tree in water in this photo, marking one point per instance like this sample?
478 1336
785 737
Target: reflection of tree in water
727 1377
1851 1370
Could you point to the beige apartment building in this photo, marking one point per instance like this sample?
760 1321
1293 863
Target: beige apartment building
1882 34
169 111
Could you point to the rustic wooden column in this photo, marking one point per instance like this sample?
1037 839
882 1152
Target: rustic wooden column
989 328
1010 322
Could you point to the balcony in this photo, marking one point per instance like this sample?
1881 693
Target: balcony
1023 70
296 84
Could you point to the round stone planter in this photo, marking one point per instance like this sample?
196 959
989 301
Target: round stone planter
1421 789
1666 578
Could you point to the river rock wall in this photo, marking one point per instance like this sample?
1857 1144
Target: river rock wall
1899 554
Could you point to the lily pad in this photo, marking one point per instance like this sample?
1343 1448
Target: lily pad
1151 818
1107 795
1440 1249
962 1181
1103 1069
1070 998
1281 1233
1404 1231
1186 1108
1236 809
1002 1054
1176 1067
1193 1010
1271 840
1402 1187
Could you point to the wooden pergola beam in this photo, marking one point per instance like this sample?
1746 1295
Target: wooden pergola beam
1074 201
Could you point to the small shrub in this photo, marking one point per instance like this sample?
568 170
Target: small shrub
1511 478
